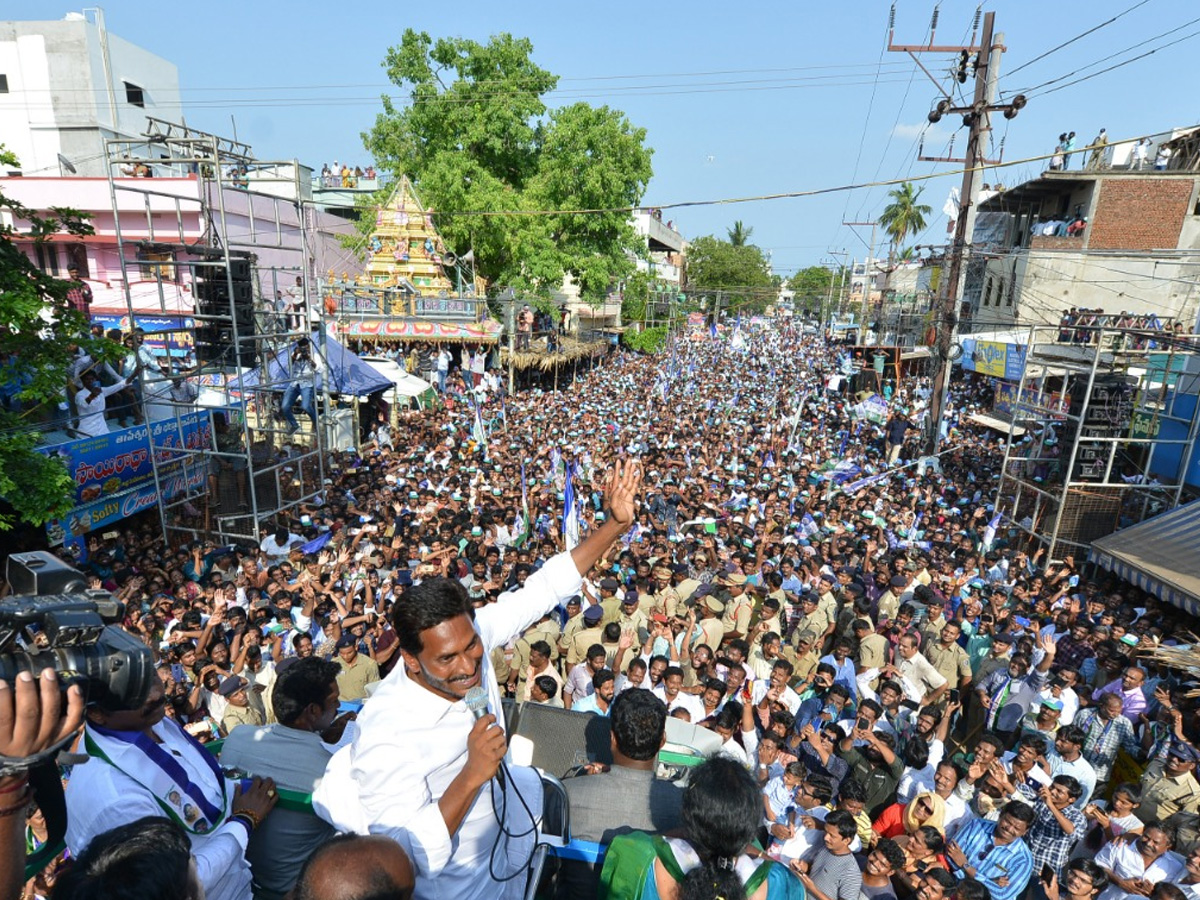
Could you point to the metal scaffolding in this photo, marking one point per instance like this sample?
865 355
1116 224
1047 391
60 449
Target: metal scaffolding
1102 434
231 231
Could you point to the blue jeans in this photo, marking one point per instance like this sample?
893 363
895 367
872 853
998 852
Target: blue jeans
441 376
305 393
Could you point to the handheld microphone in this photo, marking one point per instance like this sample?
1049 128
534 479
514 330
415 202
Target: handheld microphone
477 702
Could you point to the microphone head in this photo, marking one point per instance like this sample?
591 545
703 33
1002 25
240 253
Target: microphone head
477 701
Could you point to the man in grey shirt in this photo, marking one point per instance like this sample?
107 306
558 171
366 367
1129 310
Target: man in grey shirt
834 873
293 753
628 797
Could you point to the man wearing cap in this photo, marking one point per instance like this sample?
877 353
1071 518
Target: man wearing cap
357 670
739 607
946 655
573 625
1042 719
889 600
1170 786
632 618
591 633
813 623
238 710
609 600
710 608
666 598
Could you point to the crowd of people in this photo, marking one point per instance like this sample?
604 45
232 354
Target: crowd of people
909 700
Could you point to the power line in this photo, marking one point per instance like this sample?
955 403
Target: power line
1121 64
1105 59
1077 37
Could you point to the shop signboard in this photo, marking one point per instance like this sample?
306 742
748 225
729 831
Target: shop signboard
113 463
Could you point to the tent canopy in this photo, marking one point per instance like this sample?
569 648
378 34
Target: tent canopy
1160 555
346 373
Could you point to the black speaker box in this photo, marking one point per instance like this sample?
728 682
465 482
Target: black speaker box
563 739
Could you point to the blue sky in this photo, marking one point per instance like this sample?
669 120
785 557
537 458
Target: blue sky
738 99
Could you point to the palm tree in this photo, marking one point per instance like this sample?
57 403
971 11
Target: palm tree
904 215
739 234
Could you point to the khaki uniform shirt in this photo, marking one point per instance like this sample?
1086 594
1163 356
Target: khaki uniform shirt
352 681
872 652
1163 796
952 662
239 715
714 632
583 639
737 615
574 625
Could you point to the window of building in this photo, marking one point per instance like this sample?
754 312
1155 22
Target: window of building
152 272
47 257
3 83
134 95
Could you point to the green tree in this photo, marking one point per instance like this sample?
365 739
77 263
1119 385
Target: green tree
635 298
811 286
478 138
739 234
904 215
38 334
740 273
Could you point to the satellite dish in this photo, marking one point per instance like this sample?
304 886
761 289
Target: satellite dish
64 163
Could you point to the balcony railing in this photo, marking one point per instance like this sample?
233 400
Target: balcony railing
344 183
393 303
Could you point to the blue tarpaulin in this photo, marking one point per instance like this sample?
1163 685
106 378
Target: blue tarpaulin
347 373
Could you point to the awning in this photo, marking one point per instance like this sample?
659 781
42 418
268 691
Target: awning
998 424
1160 555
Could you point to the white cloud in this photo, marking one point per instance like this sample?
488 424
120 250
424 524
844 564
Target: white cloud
932 133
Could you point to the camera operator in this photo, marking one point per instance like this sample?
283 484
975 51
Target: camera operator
143 764
30 724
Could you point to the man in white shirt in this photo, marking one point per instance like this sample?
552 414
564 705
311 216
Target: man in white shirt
144 765
90 404
422 769
277 546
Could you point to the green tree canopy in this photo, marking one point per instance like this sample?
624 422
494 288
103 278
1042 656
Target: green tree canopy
477 137
39 332
741 273
904 215
811 286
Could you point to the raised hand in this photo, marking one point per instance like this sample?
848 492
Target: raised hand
621 492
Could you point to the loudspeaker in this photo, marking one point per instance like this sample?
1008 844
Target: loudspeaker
563 739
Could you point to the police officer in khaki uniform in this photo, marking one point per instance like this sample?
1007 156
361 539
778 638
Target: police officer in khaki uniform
1170 787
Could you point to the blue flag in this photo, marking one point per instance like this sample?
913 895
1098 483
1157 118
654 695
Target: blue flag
317 543
570 521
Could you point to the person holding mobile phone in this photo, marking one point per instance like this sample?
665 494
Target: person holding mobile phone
1082 880
1058 824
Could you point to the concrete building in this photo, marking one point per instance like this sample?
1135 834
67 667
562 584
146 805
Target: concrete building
67 85
1116 240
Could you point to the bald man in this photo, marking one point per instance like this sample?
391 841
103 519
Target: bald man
356 867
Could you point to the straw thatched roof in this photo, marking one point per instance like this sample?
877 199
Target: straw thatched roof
569 351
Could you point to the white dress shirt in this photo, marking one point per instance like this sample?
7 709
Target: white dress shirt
100 797
412 743
1124 861
91 411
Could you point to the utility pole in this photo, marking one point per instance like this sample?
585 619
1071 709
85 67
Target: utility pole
867 279
977 118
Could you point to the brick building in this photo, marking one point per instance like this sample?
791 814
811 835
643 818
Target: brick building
1117 240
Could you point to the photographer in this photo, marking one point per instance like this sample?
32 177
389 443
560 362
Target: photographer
30 724
143 764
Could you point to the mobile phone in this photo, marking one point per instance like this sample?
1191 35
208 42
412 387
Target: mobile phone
863 724
910 704
1047 873
177 672
954 695
111 535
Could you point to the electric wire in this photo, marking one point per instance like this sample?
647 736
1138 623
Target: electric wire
1077 37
